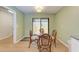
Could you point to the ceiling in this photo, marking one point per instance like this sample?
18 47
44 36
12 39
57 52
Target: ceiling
46 10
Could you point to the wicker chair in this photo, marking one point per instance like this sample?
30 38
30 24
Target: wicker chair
44 43
33 38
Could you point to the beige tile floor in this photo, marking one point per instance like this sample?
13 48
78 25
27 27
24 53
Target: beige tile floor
6 45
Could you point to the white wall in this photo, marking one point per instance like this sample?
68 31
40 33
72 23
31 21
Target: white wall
28 22
5 24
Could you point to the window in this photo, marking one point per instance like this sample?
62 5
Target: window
39 23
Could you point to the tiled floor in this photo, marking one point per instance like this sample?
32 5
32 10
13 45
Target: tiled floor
6 45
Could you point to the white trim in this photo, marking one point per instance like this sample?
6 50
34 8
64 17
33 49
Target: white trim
14 28
19 40
66 45
5 37
26 36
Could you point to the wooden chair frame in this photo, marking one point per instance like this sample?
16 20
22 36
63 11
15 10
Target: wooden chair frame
30 40
40 44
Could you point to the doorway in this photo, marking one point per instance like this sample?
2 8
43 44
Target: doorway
8 23
39 23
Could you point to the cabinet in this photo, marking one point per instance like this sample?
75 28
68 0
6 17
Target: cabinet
74 44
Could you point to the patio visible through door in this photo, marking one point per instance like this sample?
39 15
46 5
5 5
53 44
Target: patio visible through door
39 23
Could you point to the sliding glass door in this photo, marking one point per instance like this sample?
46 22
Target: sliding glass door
44 25
36 26
39 23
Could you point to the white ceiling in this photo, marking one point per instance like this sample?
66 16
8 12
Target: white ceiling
47 9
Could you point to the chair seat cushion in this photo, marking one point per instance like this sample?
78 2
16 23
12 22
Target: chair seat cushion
34 37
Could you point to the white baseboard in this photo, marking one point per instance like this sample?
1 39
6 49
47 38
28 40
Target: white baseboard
66 45
18 40
26 36
2 38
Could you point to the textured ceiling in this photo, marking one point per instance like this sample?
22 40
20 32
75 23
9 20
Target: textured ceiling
46 10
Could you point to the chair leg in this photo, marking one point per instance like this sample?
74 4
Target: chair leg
55 43
50 49
30 44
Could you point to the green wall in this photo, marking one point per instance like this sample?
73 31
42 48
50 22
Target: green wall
28 22
20 23
67 23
